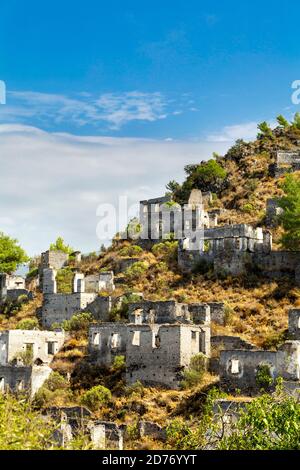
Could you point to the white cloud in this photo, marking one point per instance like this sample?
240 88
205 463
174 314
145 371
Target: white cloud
52 183
245 131
114 109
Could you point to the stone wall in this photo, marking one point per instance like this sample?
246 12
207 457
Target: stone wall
106 341
23 378
157 355
44 344
59 307
294 323
168 311
238 369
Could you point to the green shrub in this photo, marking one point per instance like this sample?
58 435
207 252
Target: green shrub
131 251
64 280
22 428
269 422
167 250
136 388
194 374
136 270
79 321
263 376
119 362
96 397
60 245
248 208
54 388
28 324
32 273
55 382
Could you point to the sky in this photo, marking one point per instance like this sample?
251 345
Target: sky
111 99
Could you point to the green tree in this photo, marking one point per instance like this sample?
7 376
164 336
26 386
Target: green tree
60 245
265 130
282 121
11 254
268 423
96 396
290 219
296 121
22 428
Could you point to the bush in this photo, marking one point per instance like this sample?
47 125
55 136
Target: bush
79 321
22 428
119 362
64 279
55 390
136 270
167 250
131 251
60 245
194 374
263 376
96 396
135 389
55 382
270 422
28 324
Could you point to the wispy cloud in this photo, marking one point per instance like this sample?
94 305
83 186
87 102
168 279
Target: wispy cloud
245 131
113 109
52 183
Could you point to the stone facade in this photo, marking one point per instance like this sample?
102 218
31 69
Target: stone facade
58 307
43 345
16 378
294 323
161 216
106 341
237 249
158 343
286 161
157 354
239 369
12 287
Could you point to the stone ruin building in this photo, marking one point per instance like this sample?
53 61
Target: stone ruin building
25 356
12 287
286 161
75 420
239 369
158 342
58 307
161 217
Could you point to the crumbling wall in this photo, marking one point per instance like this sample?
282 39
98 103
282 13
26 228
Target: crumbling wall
165 311
43 344
106 341
23 378
238 369
294 323
273 212
59 307
157 355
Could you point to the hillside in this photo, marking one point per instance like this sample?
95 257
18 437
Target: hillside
256 308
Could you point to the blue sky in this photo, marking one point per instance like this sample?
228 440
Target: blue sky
167 82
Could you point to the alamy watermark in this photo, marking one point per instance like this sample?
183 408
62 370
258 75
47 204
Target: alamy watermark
296 93
2 92
148 221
